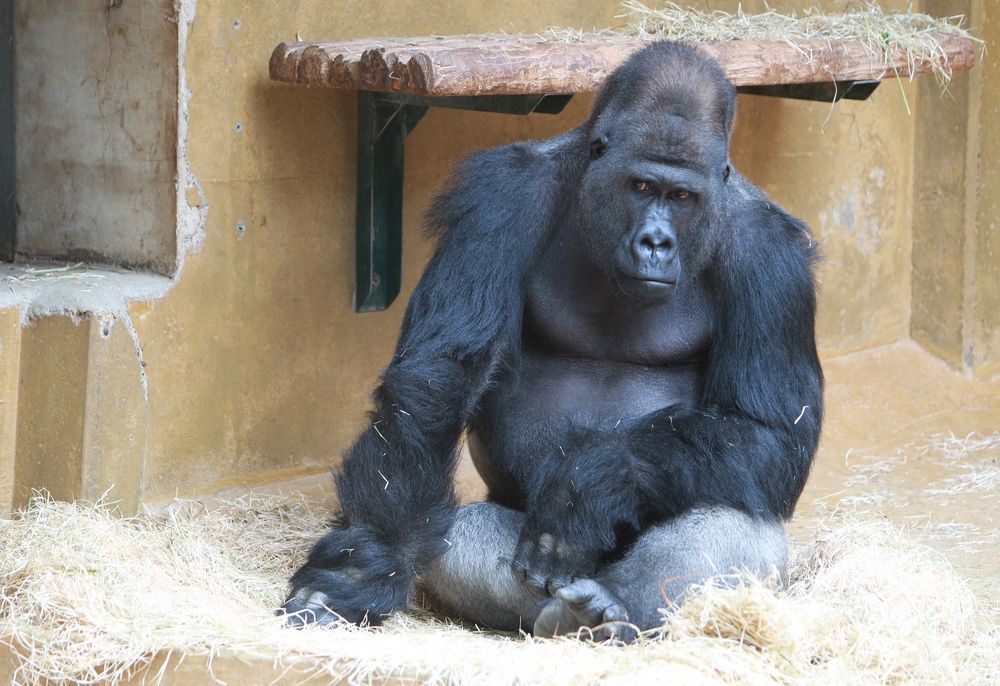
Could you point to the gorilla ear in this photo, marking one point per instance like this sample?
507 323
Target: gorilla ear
598 146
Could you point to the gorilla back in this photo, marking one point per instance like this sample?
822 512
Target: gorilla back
632 349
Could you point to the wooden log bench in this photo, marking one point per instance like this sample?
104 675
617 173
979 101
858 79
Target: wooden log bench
397 79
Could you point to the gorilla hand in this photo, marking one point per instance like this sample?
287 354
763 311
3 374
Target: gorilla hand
578 511
547 562
349 575
561 541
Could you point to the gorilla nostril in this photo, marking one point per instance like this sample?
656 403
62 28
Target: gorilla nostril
652 246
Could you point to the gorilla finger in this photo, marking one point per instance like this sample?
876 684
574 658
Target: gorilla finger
523 552
538 581
519 566
618 633
302 618
612 633
579 593
555 583
615 613
617 627
308 607
628 633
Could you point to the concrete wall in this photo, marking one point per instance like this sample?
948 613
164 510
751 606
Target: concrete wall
254 367
984 256
10 361
96 104
849 178
956 280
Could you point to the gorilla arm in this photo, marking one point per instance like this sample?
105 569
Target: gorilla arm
395 485
748 445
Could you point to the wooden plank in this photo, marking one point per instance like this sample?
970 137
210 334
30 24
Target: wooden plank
529 65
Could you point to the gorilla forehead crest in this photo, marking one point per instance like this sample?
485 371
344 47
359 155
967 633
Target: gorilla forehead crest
667 88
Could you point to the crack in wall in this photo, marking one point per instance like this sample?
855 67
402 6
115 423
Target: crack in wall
191 219
144 382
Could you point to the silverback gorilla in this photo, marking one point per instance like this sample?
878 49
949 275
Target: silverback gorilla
625 327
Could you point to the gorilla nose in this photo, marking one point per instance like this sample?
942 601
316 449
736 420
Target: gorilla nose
654 244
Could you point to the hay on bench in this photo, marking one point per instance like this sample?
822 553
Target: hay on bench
88 596
914 34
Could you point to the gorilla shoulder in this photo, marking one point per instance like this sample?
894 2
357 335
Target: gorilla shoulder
491 186
755 216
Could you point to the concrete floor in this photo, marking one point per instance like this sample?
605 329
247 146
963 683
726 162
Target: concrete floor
908 438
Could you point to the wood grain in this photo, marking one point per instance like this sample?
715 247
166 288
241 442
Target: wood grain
526 65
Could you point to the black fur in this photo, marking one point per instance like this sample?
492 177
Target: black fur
479 328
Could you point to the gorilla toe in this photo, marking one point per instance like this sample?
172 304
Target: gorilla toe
585 604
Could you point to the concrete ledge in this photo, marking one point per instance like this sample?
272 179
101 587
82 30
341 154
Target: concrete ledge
75 290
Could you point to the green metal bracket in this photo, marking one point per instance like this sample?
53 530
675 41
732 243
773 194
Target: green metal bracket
384 120
382 128
828 91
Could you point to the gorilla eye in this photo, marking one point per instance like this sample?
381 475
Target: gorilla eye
681 194
641 186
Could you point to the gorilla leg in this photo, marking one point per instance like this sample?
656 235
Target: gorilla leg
661 566
473 579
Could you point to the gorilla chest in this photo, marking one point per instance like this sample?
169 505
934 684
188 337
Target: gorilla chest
581 316
580 368
593 358
549 400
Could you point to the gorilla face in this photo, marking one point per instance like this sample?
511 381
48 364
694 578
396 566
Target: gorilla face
646 202
661 200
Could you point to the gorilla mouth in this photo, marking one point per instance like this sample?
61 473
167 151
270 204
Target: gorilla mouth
653 281
646 285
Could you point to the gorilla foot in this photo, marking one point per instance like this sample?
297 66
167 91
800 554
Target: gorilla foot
586 608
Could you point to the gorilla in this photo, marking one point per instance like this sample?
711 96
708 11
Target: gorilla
625 328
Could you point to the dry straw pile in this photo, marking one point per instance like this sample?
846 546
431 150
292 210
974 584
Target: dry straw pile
909 33
88 596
